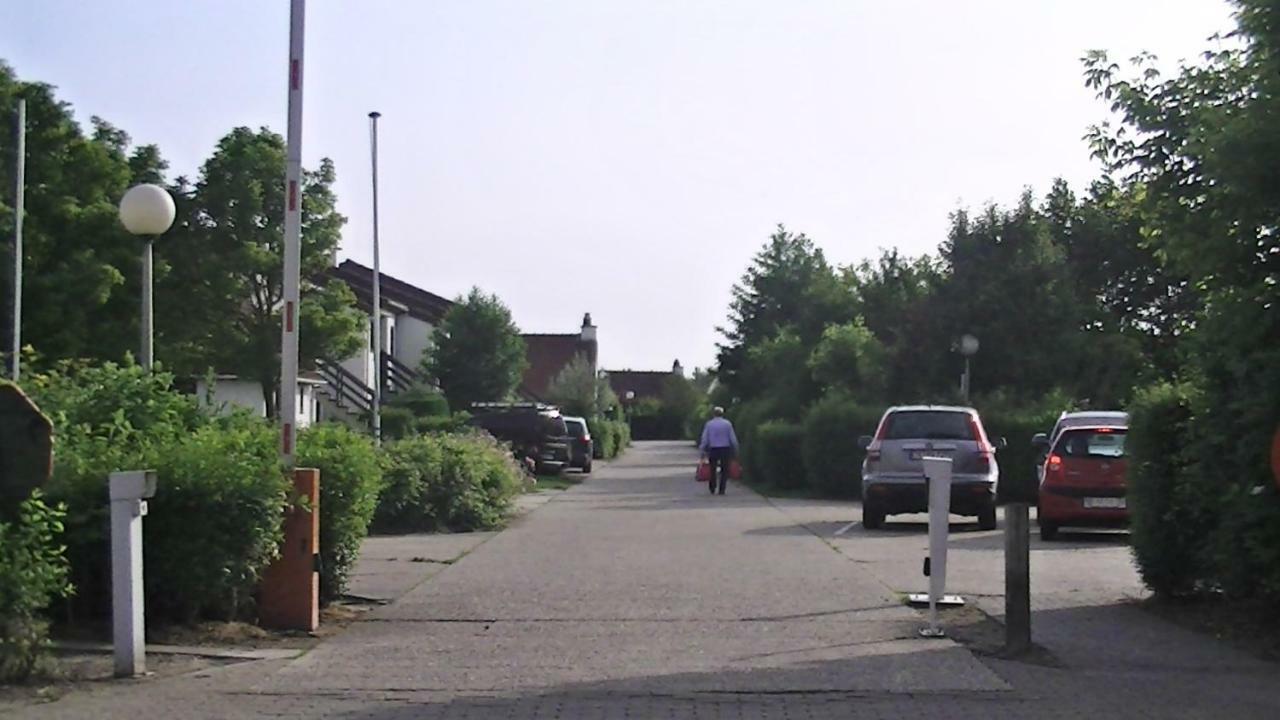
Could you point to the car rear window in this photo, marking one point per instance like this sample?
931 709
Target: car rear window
927 425
576 429
1104 443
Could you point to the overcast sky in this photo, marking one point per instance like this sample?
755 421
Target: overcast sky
621 158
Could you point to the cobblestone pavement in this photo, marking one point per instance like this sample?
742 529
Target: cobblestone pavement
638 595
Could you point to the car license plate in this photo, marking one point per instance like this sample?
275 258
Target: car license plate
1111 503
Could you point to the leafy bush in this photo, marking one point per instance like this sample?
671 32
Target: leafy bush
778 458
215 522
411 467
611 437
398 423
33 571
1171 510
478 484
350 481
106 417
832 458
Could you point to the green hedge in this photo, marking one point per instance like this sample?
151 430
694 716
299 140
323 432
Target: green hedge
350 481
1172 511
832 458
457 483
778 459
33 572
611 437
214 524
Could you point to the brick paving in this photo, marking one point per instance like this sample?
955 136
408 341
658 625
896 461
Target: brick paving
638 595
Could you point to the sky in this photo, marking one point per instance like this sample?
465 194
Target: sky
625 159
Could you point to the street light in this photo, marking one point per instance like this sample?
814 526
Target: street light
147 211
968 347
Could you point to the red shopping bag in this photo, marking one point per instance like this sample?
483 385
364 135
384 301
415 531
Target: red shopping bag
735 470
704 472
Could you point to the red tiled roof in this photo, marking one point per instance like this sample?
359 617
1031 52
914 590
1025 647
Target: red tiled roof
548 355
644 383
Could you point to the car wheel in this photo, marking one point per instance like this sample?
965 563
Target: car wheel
872 515
987 517
1048 531
587 468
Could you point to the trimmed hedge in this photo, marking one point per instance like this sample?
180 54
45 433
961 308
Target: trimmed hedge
778 458
350 481
832 458
1172 510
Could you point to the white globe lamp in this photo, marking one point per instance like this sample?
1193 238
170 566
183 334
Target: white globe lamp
147 211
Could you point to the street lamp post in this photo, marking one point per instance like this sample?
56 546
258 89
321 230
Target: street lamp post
377 286
147 211
968 347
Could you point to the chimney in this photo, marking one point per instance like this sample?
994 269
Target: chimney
677 368
588 329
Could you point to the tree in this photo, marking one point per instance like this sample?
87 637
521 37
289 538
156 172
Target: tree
223 273
81 288
576 389
851 360
788 286
478 354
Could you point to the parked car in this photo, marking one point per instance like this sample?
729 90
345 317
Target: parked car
581 446
1084 480
1085 418
893 479
534 430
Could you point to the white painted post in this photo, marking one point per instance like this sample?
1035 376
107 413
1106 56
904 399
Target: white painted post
938 471
288 400
128 491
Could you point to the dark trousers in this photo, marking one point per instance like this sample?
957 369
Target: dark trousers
719 459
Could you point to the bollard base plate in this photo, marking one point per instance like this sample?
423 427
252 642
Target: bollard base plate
944 601
932 632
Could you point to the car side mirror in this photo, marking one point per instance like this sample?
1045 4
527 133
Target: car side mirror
1040 441
1002 443
864 442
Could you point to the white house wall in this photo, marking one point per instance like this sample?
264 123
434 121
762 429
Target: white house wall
229 394
413 340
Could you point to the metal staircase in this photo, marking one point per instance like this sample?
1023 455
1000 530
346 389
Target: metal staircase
347 398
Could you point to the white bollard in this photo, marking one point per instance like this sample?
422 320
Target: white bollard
129 491
938 471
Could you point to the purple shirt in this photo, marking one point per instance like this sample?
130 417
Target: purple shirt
718 433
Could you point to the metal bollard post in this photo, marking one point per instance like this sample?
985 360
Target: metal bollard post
129 492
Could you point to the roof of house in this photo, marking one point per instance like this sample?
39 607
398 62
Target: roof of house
644 383
423 305
547 356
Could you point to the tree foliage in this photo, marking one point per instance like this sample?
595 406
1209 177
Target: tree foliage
477 352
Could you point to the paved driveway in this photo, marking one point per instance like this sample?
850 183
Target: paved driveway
640 595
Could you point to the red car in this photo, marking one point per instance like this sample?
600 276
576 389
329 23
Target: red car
1084 480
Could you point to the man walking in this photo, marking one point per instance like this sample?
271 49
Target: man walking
719 446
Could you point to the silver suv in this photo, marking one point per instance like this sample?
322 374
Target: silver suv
893 478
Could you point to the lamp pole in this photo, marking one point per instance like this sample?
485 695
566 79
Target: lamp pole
147 211
968 347
18 205
377 287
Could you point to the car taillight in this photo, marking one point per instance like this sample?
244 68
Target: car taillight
983 464
873 454
1052 466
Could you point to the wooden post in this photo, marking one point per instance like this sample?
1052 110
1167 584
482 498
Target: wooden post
1017 578
291 585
